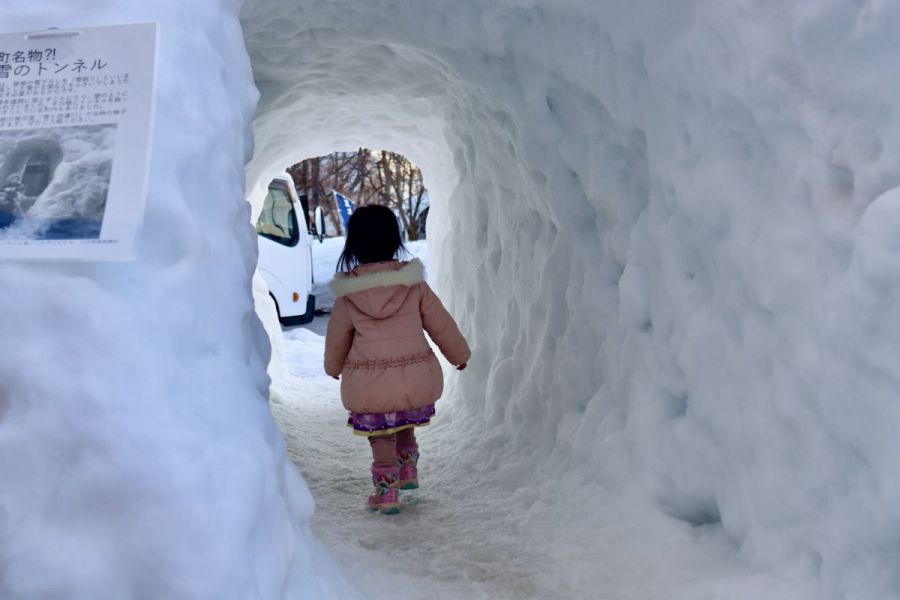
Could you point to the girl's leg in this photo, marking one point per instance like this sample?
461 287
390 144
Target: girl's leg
384 450
385 474
408 458
406 440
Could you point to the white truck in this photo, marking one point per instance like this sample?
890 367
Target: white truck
285 252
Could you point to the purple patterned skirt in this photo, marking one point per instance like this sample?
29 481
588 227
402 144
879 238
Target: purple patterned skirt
386 423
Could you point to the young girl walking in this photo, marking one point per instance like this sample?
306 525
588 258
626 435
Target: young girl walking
375 341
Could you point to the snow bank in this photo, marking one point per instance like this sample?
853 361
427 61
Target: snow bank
138 456
668 231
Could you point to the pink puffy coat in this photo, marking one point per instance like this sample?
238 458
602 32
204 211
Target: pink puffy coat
375 338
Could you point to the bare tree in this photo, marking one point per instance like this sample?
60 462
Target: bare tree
368 177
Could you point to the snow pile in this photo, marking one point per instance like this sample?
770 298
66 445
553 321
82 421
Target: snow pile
668 231
138 455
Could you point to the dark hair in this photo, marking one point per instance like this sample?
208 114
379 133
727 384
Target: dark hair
372 236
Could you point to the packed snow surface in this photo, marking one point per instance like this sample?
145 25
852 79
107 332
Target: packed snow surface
670 231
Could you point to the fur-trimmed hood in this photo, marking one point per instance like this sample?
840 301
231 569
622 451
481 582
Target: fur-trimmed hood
378 289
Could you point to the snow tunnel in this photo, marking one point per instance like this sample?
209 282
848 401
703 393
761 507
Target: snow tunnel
670 233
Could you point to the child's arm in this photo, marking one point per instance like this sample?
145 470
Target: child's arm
442 328
338 338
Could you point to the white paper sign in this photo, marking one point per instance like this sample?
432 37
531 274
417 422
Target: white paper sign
76 111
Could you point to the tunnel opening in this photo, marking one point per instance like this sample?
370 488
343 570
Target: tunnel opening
363 176
301 227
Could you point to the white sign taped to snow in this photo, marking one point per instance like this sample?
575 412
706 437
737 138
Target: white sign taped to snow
76 110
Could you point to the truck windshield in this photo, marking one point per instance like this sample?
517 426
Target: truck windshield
277 221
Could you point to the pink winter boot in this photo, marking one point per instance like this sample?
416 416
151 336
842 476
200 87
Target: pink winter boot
385 499
408 458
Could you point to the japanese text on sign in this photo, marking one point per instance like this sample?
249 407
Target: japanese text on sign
72 100
39 63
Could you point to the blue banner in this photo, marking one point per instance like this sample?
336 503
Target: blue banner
345 206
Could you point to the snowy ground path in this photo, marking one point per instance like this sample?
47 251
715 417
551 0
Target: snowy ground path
459 538
449 540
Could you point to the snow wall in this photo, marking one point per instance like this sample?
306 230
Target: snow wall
669 231
138 456
672 232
